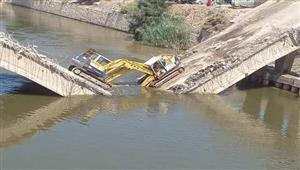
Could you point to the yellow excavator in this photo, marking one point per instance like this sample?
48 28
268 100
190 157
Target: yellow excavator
102 71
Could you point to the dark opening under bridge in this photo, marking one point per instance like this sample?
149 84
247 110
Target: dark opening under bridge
269 33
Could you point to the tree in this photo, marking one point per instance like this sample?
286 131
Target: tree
148 12
152 25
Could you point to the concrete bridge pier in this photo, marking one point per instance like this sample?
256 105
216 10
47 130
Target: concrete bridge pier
281 76
284 65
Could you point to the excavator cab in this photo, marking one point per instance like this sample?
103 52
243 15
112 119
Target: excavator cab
163 67
91 62
163 64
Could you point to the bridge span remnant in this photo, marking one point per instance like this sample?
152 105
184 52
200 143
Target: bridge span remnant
27 62
256 39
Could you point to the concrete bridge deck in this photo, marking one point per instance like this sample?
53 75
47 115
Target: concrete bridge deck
256 39
28 63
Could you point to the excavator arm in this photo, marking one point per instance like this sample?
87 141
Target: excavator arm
119 67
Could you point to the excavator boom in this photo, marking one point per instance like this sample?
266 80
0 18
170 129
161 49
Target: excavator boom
118 67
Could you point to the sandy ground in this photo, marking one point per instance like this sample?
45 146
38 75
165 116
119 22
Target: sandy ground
108 3
213 19
117 3
296 66
114 5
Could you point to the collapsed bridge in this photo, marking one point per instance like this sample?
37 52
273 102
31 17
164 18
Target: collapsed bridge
266 34
259 37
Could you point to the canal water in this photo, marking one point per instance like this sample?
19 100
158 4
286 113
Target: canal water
139 128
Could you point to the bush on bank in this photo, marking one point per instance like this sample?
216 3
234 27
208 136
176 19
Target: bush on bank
167 31
153 26
130 8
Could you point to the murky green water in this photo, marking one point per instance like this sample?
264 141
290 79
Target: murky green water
147 129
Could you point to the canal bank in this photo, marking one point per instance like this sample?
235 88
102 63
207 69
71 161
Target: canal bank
104 15
202 21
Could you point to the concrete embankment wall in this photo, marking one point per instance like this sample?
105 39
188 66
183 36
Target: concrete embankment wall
103 16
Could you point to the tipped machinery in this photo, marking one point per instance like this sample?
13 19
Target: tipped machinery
102 71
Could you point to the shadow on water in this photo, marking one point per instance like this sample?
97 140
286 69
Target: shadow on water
32 88
14 84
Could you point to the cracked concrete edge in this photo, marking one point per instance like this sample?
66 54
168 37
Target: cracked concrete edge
217 77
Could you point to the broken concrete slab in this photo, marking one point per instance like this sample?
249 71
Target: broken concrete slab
258 38
27 62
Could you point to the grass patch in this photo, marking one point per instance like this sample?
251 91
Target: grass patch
130 8
153 26
166 31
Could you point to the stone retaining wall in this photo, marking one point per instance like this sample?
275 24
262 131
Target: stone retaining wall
103 16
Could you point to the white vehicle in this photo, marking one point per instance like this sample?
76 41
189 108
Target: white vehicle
247 3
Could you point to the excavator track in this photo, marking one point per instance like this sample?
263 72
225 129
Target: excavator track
90 78
165 78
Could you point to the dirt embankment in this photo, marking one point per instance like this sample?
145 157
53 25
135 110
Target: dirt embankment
206 21
114 5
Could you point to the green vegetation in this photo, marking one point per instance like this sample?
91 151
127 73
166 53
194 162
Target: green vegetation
153 26
130 8
168 31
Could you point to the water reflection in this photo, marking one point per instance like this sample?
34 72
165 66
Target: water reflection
261 117
22 116
263 120
267 110
278 109
226 118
